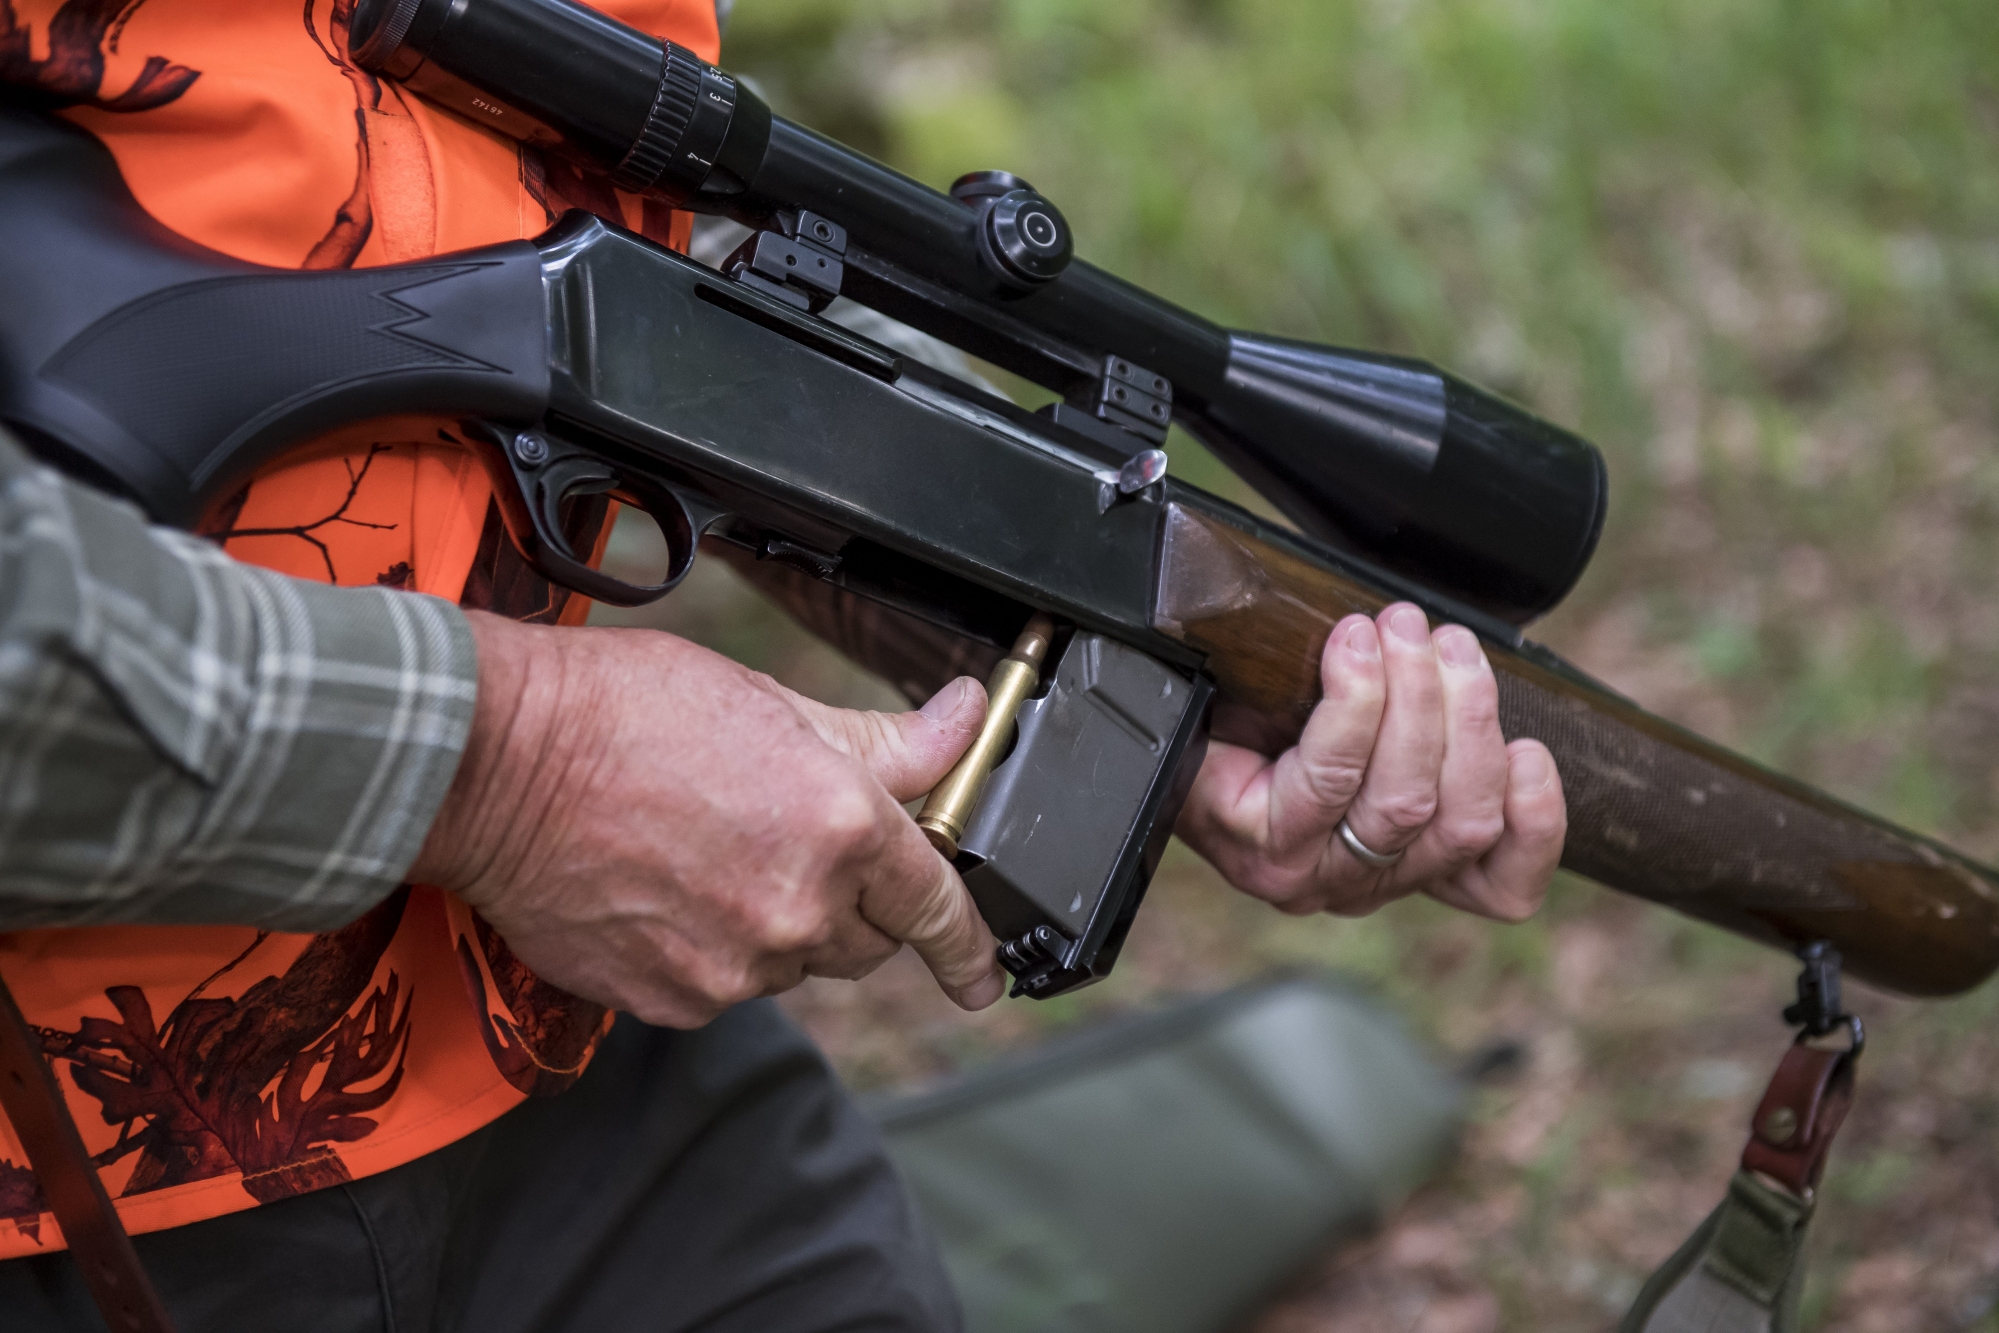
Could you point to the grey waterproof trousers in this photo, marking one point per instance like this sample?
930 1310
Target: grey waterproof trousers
718 1180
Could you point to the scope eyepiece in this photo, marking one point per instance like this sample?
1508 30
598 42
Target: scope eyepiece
560 75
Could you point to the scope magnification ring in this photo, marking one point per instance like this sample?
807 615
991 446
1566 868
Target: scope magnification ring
666 124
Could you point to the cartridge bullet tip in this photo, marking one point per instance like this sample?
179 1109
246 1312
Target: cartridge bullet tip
1032 645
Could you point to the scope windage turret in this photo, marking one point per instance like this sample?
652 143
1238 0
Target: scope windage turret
1387 457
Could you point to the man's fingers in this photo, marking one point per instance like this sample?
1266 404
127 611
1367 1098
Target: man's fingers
1265 824
856 948
1314 782
908 753
907 892
1537 820
1406 746
1229 799
1399 794
912 894
1511 881
1471 787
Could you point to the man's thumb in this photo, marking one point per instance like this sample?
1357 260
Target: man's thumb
909 753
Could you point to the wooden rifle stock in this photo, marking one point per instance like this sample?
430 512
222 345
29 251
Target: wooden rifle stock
1654 810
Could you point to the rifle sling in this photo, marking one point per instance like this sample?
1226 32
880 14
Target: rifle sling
69 1181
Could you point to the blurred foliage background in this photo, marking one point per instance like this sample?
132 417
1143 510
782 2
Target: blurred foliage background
1751 248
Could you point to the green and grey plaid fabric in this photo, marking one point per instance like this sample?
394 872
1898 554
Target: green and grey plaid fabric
184 738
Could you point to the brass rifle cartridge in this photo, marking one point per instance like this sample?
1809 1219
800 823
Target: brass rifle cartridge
950 806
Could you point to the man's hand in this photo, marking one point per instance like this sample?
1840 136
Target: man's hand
1406 747
651 826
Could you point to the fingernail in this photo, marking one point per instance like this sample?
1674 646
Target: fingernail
1362 641
946 702
1531 769
1406 623
1458 647
982 993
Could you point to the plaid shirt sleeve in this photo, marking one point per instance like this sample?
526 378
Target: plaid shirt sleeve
187 739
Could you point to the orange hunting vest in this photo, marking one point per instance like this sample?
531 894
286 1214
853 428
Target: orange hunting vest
214 1068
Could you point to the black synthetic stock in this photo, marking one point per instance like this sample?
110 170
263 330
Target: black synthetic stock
177 370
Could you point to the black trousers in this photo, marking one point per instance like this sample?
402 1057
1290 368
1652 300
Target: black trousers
719 1180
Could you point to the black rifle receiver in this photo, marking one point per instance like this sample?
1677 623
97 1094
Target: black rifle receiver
1388 457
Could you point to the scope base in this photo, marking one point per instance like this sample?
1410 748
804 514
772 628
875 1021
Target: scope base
802 263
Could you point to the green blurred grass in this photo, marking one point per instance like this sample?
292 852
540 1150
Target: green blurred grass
1752 250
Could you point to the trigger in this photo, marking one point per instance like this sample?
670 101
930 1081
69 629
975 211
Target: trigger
537 473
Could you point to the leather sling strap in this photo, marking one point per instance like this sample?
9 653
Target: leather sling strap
69 1181
1742 1271
1795 1122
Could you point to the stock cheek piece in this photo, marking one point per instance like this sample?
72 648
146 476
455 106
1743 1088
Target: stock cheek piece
1385 457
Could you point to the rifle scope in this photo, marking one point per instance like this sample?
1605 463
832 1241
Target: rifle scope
1388 457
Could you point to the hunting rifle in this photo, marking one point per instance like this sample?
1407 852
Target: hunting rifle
590 361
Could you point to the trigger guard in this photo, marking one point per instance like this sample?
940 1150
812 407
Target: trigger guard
542 472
